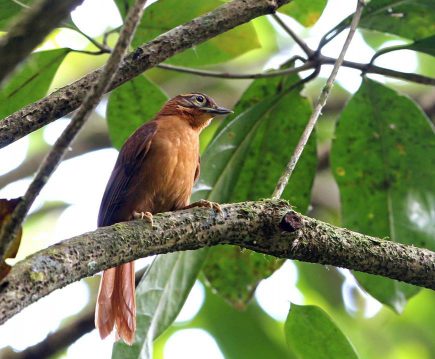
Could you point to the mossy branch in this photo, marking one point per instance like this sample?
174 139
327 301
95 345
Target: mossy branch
269 226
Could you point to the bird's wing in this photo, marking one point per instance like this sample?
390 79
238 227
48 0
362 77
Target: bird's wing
130 158
198 170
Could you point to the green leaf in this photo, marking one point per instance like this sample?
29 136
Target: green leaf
412 19
307 12
244 162
160 296
426 45
312 334
31 81
382 158
8 10
164 15
130 106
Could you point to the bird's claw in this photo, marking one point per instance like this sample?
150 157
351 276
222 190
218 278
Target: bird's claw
202 203
147 216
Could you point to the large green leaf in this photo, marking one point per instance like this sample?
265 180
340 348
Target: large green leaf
383 160
426 45
307 12
159 298
311 334
244 162
31 81
164 15
412 19
130 106
9 9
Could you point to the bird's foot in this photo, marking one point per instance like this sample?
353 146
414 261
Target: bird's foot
202 203
147 216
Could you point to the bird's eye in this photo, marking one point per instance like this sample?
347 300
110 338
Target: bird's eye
200 99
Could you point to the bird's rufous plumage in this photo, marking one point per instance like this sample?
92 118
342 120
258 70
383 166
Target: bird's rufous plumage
155 172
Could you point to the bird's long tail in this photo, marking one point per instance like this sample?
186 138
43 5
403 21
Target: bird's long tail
116 303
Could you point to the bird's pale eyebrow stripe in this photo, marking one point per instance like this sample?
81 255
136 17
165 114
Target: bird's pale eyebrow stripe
191 94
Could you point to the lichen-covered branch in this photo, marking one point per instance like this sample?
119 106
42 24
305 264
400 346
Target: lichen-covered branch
269 226
29 29
68 98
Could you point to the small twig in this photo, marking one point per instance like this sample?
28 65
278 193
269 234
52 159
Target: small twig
29 30
107 34
88 52
62 144
102 47
385 51
373 69
225 75
329 36
282 182
302 44
308 65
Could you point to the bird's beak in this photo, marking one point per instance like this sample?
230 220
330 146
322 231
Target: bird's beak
219 110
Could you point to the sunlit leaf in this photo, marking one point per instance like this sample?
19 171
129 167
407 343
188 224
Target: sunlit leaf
7 206
412 19
307 12
160 296
382 158
244 162
426 45
130 106
311 334
31 81
164 15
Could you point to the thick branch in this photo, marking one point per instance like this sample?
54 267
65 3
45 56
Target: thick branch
270 227
68 98
30 29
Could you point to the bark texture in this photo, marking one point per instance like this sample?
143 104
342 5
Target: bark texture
68 98
269 226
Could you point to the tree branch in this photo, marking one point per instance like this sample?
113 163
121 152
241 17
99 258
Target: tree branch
11 227
29 30
283 180
68 98
269 226
225 75
56 341
302 44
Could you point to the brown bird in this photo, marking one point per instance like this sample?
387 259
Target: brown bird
155 172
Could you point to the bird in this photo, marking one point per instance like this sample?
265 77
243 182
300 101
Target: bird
155 172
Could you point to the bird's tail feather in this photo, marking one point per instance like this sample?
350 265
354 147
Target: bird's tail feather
116 303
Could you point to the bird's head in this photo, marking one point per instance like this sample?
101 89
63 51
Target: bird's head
197 108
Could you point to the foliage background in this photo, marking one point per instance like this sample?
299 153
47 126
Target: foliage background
208 326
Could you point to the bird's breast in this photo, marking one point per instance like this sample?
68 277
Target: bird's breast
168 174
